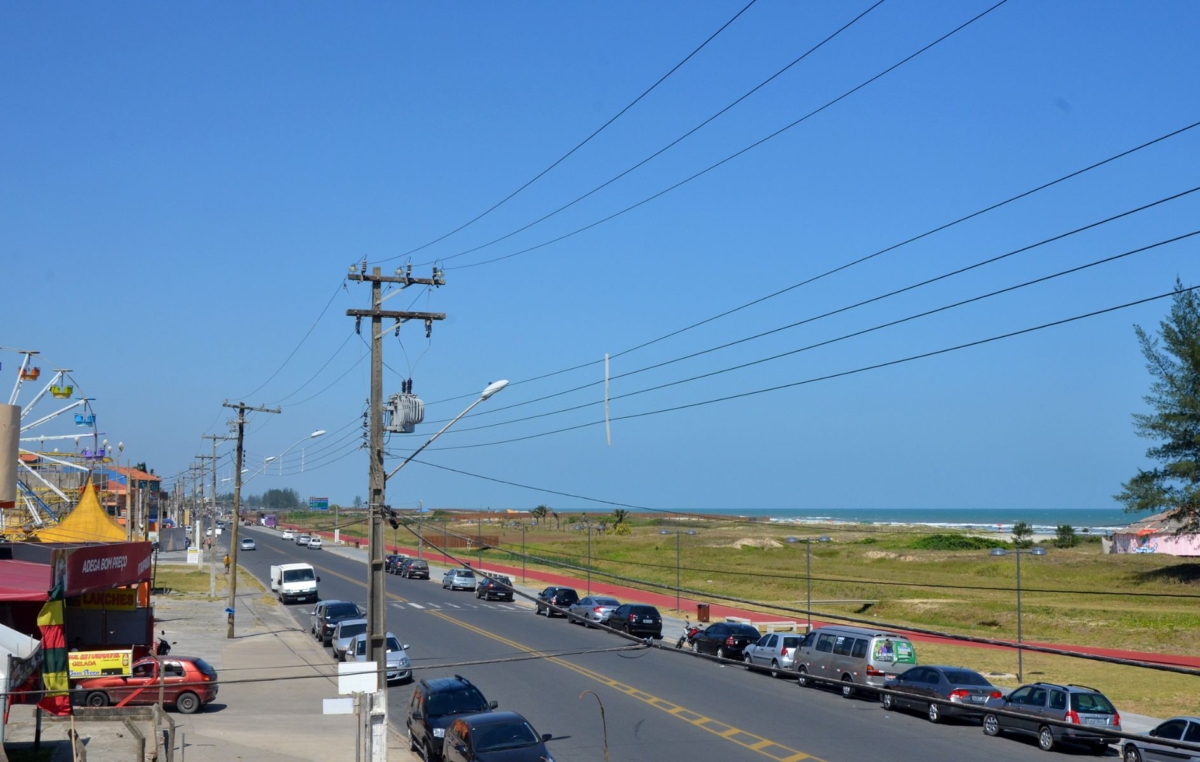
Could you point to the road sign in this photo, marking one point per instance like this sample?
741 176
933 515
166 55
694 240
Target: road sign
318 504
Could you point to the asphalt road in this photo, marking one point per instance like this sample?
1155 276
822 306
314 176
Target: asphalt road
658 704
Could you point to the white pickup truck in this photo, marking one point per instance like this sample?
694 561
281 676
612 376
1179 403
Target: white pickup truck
294 582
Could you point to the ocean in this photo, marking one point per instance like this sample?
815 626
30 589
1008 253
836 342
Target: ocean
1043 520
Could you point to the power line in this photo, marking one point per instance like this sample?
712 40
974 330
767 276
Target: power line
847 265
579 145
673 143
312 378
732 156
840 310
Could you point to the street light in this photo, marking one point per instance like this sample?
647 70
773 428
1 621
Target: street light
678 584
491 389
999 552
808 541
272 458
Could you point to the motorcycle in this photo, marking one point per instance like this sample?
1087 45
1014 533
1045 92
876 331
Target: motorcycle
689 631
163 648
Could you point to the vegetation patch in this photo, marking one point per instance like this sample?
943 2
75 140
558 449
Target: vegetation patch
955 542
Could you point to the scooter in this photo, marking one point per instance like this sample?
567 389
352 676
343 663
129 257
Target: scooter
689 632
163 648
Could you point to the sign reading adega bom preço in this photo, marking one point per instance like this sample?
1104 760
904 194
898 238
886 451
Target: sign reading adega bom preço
100 567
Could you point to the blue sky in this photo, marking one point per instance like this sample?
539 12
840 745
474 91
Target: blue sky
184 186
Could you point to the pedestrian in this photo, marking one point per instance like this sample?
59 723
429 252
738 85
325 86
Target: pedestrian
228 561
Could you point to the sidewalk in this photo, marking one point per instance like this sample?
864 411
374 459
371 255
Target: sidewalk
272 719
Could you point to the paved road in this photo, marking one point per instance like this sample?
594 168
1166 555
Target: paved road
658 704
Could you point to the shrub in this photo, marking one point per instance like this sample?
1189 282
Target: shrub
955 542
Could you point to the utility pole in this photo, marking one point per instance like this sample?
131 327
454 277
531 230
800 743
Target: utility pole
241 407
376 605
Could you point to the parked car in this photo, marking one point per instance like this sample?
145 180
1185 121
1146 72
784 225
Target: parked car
725 639
1086 707
562 597
593 609
636 619
314 543
776 650
343 633
459 579
1186 729
855 657
303 539
967 691
189 683
494 737
287 535
326 614
415 569
390 562
399 667
247 543
434 705
497 586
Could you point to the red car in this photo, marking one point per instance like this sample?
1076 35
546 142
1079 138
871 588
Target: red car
189 683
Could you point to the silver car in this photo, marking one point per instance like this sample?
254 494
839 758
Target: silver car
345 632
399 667
459 579
593 609
776 650
1186 729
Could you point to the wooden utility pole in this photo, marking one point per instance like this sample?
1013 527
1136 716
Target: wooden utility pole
376 603
241 407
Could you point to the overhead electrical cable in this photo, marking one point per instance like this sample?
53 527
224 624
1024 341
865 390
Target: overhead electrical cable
670 145
728 158
579 145
312 378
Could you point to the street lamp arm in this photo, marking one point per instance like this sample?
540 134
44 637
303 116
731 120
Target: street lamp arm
417 451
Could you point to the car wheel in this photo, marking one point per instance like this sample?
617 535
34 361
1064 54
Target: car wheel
1045 738
847 686
991 725
774 668
888 702
934 712
1132 754
427 754
802 676
720 652
188 703
99 698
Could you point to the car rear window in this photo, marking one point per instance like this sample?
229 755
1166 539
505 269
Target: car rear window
643 610
965 677
205 668
350 630
463 573
792 642
745 630
607 602
1091 702
419 564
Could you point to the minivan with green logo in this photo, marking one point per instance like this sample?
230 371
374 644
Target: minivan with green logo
853 657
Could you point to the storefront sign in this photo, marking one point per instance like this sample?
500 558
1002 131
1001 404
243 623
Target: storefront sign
193 555
99 567
119 599
98 663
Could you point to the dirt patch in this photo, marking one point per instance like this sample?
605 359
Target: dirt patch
763 543
877 554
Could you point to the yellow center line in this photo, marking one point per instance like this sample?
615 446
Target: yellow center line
742 738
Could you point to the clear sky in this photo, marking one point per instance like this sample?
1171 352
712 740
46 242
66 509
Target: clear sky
183 187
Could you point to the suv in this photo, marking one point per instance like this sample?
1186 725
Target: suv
326 615
418 569
1077 704
498 587
562 597
434 705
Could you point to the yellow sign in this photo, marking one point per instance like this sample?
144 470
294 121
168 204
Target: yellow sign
98 663
118 599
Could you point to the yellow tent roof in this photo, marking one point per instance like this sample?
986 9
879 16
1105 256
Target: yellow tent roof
88 522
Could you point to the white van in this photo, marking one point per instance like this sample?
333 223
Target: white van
294 582
855 657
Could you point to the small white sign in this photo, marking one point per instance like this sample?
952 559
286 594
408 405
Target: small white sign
193 555
337 706
357 677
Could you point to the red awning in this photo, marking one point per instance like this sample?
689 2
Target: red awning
24 581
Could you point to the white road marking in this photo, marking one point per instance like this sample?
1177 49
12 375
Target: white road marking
416 605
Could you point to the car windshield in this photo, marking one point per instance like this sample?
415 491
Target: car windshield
965 677
350 630
511 735
205 668
466 701
1091 702
298 575
341 610
393 645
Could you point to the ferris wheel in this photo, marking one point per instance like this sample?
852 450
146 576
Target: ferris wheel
59 443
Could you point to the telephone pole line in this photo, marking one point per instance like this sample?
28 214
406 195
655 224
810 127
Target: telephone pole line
376 604
241 407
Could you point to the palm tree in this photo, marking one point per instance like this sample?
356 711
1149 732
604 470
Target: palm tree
557 520
539 513
619 517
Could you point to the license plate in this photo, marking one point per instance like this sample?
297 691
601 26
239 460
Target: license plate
1095 721
647 621
979 699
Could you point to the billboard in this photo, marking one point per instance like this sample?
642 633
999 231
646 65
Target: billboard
318 504
83 664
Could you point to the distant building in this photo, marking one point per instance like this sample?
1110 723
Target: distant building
1155 534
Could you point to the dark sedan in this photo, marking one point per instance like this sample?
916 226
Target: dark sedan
636 619
497 588
725 639
966 690
494 737
392 561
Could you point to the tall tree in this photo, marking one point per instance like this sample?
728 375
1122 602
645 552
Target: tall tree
1022 535
1173 360
539 513
619 517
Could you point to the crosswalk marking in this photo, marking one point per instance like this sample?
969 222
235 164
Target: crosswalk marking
416 605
